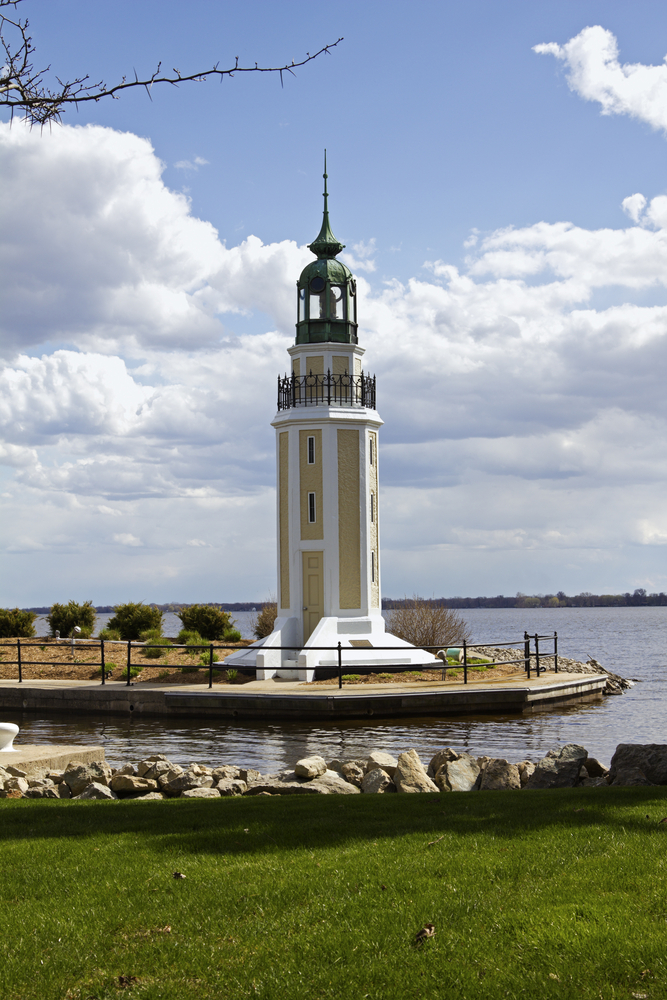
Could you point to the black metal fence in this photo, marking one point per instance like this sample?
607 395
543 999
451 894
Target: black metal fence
329 390
467 654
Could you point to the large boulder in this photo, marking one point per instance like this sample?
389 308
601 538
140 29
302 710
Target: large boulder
377 781
167 776
45 792
149 762
595 769
380 759
79 776
310 767
559 769
127 783
411 776
352 772
458 775
249 774
225 771
499 775
200 793
157 768
650 758
289 783
96 790
185 781
526 771
440 758
630 776
231 786
16 784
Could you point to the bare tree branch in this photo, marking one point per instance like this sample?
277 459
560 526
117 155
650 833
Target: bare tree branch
23 89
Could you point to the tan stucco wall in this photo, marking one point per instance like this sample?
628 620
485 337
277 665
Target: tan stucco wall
340 365
310 481
283 517
296 366
349 528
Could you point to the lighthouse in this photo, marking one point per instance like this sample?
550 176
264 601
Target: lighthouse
327 470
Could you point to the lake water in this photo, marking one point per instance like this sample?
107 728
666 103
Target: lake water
629 641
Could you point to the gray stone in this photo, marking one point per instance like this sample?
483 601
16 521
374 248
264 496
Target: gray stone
16 784
249 774
500 775
559 768
125 769
458 775
440 758
594 783
200 793
79 776
96 790
184 782
411 776
526 770
377 781
288 783
157 768
378 758
630 776
198 770
130 783
335 765
39 782
148 763
650 758
55 776
64 791
310 767
16 772
225 771
352 773
148 797
595 768
231 786
168 776
46 792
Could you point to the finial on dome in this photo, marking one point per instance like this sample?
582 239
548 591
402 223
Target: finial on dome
326 244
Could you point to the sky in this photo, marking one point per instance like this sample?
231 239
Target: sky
497 173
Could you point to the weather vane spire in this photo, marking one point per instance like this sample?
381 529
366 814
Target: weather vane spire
326 244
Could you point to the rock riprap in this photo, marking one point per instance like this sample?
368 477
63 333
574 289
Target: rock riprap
156 777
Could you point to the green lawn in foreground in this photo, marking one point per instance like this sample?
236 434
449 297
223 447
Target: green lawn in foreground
533 894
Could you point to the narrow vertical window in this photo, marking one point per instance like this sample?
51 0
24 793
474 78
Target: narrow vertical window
372 567
311 451
311 508
372 507
371 450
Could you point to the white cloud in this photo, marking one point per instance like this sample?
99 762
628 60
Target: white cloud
125 538
595 73
522 394
361 256
193 164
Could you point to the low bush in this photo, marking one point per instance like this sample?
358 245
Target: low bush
262 624
187 637
16 624
133 618
205 659
157 643
422 623
232 675
109 634
212 624
64 617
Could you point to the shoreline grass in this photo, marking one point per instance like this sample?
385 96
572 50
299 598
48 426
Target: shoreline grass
553 894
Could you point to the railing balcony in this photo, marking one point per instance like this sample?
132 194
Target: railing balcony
326 390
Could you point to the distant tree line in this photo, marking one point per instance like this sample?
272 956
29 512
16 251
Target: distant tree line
639 598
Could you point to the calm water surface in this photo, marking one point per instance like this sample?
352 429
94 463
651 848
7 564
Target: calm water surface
630 641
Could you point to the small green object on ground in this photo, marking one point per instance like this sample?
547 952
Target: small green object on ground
549 894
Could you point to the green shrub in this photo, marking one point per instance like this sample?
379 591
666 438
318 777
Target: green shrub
63 617
351 677
133 618
212 624
232 674
205 659
16 624
262 624
187 637
189 670
157 641
109 634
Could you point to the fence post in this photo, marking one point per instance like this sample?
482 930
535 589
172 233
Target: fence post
526 654
465 662
210 666
537 654
102 658
129 657
555 652
18 657
340 665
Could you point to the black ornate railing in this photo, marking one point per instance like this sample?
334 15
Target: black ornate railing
326 390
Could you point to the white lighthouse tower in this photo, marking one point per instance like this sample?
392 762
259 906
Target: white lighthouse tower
328 516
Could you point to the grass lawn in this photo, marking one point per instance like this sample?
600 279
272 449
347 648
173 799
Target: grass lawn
532 894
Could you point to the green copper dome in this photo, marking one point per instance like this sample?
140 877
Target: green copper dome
326 290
